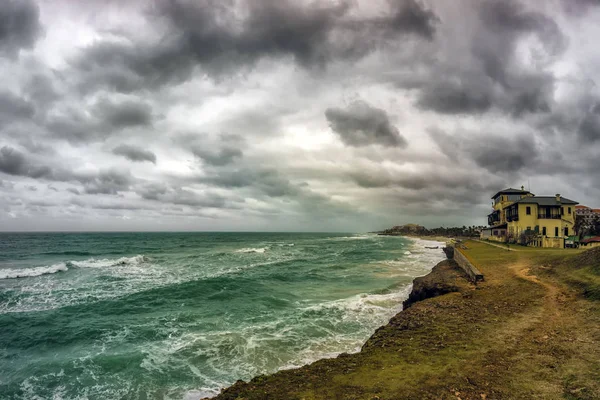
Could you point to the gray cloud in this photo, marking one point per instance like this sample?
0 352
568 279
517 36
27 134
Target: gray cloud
589 128
496 153
13 162
488 73
456 97
265 181
180 196
110 182
360 124
123 114
19 26
219 37
135 153
223 156
102 119
14 108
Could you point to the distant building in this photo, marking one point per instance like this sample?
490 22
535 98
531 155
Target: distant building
586 213
543 221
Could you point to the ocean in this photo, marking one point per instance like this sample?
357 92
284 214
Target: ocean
181 315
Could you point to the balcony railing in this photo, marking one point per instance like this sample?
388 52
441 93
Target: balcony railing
511 218
551 216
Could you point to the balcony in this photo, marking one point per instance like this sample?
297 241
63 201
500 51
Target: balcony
549 216
511 218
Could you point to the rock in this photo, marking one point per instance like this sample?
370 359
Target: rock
445 277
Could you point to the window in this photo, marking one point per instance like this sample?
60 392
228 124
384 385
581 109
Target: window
544 231
528 228
528 210
556 231
566 231
562 211
569 210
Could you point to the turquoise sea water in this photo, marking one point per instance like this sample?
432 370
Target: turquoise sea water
180 315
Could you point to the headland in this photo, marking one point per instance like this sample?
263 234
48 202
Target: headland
530 330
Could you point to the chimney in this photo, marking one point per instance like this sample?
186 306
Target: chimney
558 197
522 187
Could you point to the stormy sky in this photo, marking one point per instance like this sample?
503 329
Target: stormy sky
326 115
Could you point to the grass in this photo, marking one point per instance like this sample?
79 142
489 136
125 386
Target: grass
531 330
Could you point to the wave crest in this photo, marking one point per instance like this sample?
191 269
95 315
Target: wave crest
30 272
107 262
252 250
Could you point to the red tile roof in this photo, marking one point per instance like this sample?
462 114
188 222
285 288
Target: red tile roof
593 239
581 207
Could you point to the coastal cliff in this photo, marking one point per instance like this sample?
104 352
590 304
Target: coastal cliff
445 277
530 330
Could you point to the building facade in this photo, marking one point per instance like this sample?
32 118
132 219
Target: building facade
497 219
521 217
586 213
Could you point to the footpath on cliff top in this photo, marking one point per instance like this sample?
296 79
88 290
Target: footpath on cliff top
530 330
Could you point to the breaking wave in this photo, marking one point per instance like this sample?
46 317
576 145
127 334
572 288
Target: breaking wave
107 262
30 272
252 250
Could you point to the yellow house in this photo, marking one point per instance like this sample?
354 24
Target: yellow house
497 219
521 217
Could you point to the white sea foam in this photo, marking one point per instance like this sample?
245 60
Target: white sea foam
30 272
107 262
407 253
356 237
252 250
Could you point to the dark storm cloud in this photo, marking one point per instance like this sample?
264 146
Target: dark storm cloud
19 26
166 194
123 114
490 74
456 97
107 182
265 181
410 16
589 128
135 153
220 157
360 124
220 36
110 181
223 150
13 162
102 119
14 108
505 22
495 153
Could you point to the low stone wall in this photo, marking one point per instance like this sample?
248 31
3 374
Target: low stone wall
455 254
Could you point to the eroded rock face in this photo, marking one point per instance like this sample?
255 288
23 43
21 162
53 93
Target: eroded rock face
449 251
445 277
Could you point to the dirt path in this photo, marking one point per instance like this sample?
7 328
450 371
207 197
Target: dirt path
553 292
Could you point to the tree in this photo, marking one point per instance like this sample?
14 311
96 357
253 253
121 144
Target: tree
580 226
527 237
595 226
